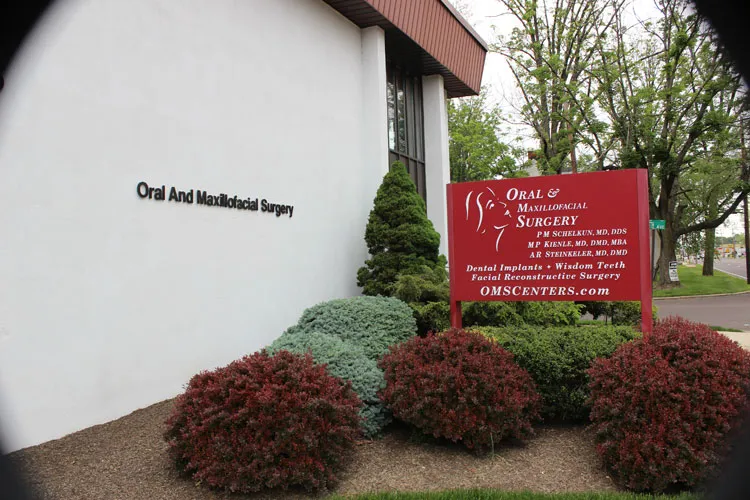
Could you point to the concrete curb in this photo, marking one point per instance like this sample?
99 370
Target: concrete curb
701 296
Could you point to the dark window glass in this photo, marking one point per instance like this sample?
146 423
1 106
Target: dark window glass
391 115
401 118
419 121
406 124
412 117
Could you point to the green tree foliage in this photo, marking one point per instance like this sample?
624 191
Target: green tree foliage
656 94
400 237
476 152
672 99
550 53
709 189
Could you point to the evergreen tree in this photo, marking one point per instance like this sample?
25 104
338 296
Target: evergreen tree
400 237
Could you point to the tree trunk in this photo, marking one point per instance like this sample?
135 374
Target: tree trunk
708 253
668 253
708 250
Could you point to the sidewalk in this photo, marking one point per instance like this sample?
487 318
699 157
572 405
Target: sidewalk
742 338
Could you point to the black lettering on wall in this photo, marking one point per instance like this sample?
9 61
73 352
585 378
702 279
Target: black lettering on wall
202 197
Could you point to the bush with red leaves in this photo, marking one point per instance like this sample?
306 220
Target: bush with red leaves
264 422
663 406
460 386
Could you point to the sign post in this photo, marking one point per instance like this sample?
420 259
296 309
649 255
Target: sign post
654 225
673 276
572 238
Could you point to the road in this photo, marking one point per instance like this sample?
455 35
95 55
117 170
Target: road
735 267
729 311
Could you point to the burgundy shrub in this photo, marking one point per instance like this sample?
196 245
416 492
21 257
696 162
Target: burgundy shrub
663 406
460 386
264 422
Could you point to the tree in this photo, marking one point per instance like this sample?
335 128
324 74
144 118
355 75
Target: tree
476 152
400 237
671 98
709 189
654 95
549 53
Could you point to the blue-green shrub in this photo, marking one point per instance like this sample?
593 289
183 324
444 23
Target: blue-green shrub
557 359
372 323
347 362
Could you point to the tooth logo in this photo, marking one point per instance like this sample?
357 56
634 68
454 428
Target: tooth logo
488 214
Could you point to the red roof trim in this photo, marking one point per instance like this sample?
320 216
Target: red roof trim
448 42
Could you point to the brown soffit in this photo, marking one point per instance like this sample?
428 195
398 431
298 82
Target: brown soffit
448 45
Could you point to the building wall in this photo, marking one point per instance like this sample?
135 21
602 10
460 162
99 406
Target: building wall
437 156
109 302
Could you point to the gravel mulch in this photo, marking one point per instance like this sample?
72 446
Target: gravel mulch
127 460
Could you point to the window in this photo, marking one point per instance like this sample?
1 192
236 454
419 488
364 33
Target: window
406 124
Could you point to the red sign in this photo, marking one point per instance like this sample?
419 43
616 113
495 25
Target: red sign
565 237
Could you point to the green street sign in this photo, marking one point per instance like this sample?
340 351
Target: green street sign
657 224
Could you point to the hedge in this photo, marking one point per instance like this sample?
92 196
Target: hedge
557 359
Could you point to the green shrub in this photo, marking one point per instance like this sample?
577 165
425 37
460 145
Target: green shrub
431 317
520 313
628 313
399 236
427 285
347 362
427 293
596 308
557 359
372 323
549 313
490 314
619 313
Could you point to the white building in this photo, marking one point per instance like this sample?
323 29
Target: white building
111 299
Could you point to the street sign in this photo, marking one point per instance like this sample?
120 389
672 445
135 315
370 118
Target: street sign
657 224
673 272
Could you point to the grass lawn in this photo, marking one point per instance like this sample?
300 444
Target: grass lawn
509 495
597 322
724 329
693 283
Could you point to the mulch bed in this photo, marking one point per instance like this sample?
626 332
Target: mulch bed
127 460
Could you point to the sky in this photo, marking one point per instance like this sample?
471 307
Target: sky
489 20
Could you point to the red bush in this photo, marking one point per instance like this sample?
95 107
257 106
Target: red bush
661 407
263 422
460 386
